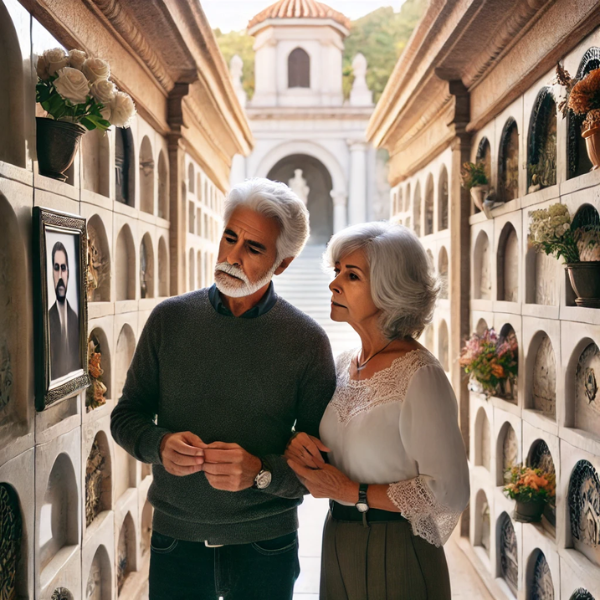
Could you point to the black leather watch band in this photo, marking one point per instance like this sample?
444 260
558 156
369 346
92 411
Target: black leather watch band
362 493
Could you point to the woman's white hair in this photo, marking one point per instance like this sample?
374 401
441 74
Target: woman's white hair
275 200
403 286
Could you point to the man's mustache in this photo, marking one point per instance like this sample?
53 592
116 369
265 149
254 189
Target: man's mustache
60 282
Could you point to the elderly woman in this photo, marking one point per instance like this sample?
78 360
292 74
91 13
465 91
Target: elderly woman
397 475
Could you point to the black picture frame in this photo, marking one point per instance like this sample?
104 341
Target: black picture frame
60 327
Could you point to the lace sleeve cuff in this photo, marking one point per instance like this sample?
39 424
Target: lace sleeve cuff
429 519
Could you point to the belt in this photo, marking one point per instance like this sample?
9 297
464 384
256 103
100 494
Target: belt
374 515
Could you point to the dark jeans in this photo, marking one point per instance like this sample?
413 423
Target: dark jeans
181 570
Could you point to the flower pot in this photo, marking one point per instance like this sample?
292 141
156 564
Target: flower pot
57 143
506 389
592 143
529 512
478 193
585 280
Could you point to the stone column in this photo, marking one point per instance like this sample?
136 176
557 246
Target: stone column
340 203
357 209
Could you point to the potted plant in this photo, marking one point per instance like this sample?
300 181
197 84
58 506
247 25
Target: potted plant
475 180
582 97
551 231
532 489
77 95
491 363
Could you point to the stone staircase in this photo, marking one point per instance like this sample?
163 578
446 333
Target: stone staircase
306 285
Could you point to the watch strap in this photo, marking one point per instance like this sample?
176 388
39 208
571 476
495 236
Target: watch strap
362 493
262 468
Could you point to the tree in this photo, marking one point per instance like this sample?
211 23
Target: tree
242 44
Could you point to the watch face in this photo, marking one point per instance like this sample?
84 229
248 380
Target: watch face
362 507
263 479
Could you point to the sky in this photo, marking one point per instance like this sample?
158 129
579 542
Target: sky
233 15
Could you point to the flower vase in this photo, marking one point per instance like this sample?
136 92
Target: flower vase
506 389
57 143
585 281
592 143
478 193
529 512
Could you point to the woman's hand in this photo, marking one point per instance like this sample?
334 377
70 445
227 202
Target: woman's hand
326 482
306 450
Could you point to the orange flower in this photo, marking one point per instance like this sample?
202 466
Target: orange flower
94 365
497 370
584 95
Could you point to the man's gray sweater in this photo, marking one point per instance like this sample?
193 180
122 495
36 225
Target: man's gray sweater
244 381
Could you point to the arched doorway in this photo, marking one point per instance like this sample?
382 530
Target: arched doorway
312 181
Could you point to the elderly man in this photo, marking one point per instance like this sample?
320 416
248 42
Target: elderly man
220 378
63 320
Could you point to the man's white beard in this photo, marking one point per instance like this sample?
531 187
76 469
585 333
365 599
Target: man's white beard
244 287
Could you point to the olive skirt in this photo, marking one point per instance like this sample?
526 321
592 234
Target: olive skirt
383 561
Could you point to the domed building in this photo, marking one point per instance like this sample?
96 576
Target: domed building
307 135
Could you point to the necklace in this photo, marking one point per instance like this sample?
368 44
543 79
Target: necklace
360 367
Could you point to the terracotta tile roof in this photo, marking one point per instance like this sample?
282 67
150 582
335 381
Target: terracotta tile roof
299 9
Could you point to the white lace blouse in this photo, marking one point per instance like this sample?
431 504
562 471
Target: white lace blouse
400 427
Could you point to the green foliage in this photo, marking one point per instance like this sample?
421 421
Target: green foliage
242 44
381 36
88 113
530 485
473 174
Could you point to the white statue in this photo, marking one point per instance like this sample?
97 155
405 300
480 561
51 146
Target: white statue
298 185
236 66
360 95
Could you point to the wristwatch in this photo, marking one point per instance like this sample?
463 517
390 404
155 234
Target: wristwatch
362 505
263 479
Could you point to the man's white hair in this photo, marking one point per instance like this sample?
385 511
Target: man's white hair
275 200
403 286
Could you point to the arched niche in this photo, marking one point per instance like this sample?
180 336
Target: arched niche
482 521
581 594
507 452
540 457
124 354
508 162
507 388
542 271
61 593
443 200
507 552
199 279
587 221
205 197
124 166
431 259
482 268
199 222
191 178
163 268
191 217
95 162
507 271
191 272
59 514
482 439
12 98
146 267
484 155
126 551
163 187
578 161
443 272
125 265
98 261
97 479
407 198
98 343
99 580
14 326
428 226
539 585
298 64
443 350
585 379
481 327
541 142
13 576
146 532
542 396
417 210
399 200
584 510
146 176
199 187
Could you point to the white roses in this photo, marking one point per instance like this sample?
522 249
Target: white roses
72 85
67 81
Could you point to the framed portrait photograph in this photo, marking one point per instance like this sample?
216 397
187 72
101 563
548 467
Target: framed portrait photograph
60 306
